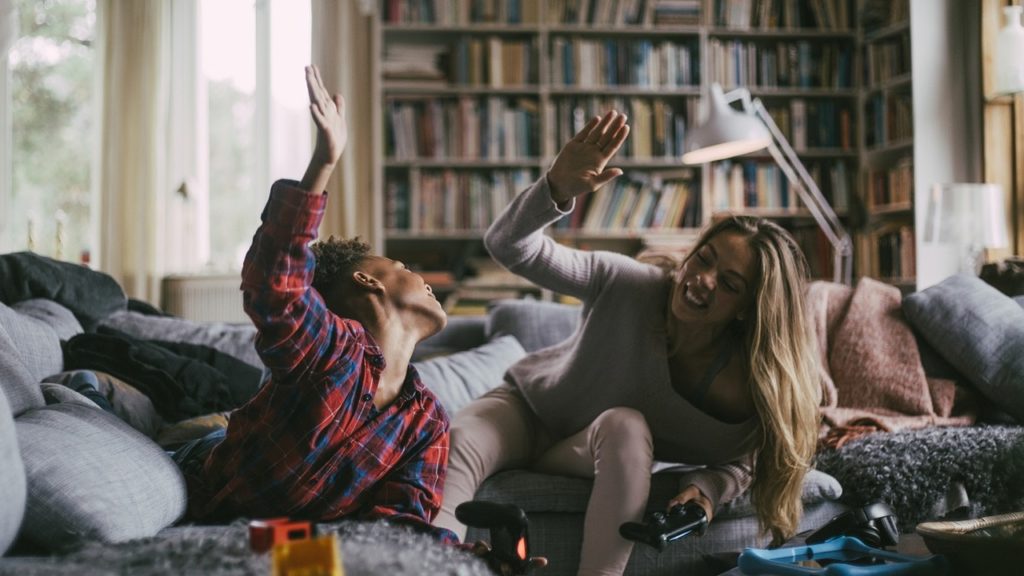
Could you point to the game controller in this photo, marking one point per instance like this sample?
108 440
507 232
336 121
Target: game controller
509 528
661 528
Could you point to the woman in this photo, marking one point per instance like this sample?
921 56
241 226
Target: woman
710 365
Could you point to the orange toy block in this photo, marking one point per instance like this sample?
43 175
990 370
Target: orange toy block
316 557
265 534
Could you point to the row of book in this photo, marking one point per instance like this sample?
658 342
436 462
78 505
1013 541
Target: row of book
636 204
640 63
887 251
624 12
460 12
494 61
814 123
657 125
789 64
774 14
741 184
447 200
888 118
893 187
491 127
887 59
818 251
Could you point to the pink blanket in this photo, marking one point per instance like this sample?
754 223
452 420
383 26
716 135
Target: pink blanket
871 373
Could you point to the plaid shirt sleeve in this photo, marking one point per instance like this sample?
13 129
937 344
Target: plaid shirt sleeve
277 278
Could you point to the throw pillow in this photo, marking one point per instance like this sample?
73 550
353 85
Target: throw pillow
35 341
182 432
92 477
459 378
57 317
535 324
17 383
12 478
126 402
980 331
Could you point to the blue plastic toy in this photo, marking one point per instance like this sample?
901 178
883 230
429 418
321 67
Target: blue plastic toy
783 561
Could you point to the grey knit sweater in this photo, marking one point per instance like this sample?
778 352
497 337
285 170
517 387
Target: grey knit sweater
618 357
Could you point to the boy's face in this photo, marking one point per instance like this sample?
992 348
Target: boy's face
407 290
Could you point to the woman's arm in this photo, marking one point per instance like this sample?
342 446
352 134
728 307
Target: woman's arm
516 238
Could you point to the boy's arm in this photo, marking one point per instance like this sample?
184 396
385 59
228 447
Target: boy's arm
292 319
411 493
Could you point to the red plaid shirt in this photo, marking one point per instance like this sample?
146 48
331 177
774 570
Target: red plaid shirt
311 444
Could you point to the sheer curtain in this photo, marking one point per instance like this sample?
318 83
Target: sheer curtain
343 49
135 37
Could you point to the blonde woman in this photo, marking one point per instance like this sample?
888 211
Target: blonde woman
710 364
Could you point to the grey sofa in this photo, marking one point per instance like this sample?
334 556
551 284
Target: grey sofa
73 474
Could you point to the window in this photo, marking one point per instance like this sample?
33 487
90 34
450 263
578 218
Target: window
257 127
48 134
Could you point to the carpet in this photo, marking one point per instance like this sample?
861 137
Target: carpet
933 473
370 548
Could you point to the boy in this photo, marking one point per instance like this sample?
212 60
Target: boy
343 428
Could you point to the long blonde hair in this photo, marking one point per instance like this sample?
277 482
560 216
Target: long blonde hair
783 371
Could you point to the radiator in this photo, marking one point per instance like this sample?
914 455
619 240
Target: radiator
207 298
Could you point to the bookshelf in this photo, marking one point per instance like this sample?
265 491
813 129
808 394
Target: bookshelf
886 244
479 95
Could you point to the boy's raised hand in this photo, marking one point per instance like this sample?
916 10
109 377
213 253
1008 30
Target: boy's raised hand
329 115
581 164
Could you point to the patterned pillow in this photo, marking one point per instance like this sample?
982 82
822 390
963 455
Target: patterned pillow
980 331
92 477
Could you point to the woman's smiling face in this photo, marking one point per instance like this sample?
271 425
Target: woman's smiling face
716 283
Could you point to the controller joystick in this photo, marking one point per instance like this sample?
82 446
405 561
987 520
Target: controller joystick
661 528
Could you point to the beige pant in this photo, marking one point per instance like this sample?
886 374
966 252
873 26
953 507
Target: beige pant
499 431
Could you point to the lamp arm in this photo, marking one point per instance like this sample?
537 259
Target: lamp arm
784 155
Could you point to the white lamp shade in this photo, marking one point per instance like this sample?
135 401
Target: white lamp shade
726 133
1009 56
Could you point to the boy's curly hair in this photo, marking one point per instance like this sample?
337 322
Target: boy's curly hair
336 258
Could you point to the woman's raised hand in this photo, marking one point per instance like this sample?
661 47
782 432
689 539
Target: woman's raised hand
581 164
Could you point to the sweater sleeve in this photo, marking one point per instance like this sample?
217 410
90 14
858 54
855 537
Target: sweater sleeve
724 482
516 240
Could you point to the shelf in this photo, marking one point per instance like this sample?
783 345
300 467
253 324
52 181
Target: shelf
901 82
811 153
653 91
794 92
786 213
428 235
393 88
891 148
604 31
783 34
490 28
462 163
886 32
891 209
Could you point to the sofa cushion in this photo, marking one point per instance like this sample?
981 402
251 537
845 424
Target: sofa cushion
986 341
35 341
57 317
536 492
12 478
17 383
535 324
92 477
459 378
238 340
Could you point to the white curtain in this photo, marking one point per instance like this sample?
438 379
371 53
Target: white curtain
8 26
135 37
343 50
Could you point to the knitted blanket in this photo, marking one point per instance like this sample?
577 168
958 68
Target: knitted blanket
872 377
933 473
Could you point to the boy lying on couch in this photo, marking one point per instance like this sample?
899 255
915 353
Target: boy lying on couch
343 428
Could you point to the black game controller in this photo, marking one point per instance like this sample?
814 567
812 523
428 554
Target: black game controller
664 527
509 527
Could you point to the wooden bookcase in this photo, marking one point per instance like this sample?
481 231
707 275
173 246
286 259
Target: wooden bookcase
479 95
